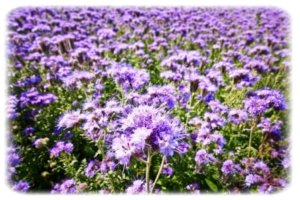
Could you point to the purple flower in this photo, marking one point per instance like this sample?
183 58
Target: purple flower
92 168
33 97
145 122
274 98
215 77
70 119
243 78
167 170
214 120
67 186
76 77
204 136
139 137
202 157
123 149
229 167
193 188
61 146
237 116
21 186
255 106
29 130
252 179
218 107
264 99
137 187
265 189
261 166
160 95
128 77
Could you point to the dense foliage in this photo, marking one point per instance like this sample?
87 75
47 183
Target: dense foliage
148 100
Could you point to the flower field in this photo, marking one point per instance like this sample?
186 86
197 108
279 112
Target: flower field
148 100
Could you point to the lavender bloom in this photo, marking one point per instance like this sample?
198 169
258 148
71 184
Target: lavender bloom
128 77
237 116
148 127
216 106
214 120
159 95
167 170
105 33
139 137
274 98
70 119
257 65
28 130
92 168
260 49
270 127
229 167
264 99
193 188
242 78
215 77
170 75
32 97
223 66
68 186
260 166
252 179
11 107
255 106
265 189
21 186
77 77
123 149
61 146
138 187
204 136
202 157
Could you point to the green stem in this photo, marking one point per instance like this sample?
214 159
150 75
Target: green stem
148 164
158 174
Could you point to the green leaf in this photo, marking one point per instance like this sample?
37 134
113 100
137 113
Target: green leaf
211 185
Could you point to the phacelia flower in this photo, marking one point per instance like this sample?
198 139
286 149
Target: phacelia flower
61 146
193 188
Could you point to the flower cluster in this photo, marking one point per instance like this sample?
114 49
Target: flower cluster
67 186
128 77
148 100
61 146
146 127
33 97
